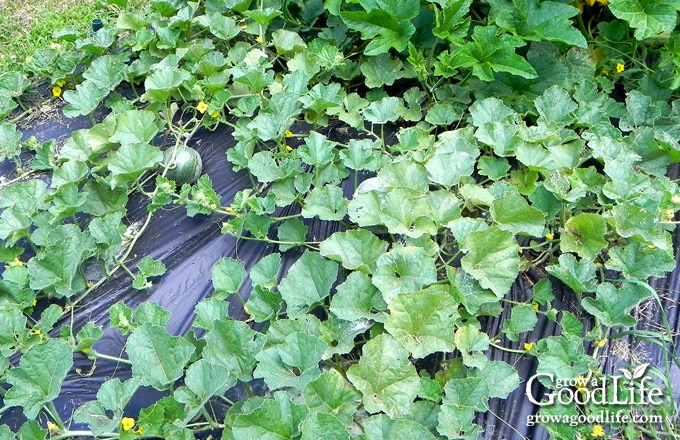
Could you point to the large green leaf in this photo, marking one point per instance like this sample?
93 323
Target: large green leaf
203 381
489 52
423 321
611 305
382 427
578 275
539 21
135 127
492 259
584 235
454 157
640 261
357 298
274 419
385 377
355 249
38 378
563 357
331 393
513 214
294 363
403 270
158 359
463 397
647 17
130 161
234 345
227 276
307 282
84 99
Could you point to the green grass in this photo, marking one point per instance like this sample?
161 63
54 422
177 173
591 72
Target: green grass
29 25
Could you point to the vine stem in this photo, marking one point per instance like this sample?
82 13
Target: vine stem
509 350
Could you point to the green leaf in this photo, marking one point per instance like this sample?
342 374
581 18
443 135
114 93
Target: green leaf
640 261
130 161
361 154
135 127
204 380
112 397
294 363
10 141
227 276
539 21
323 426
57 268
522 319
382 111
158 359
107 71
381 70
382 427
462 398
648 18
501 378
513 214
273 419
234 345
160 84
383 29
578 275
469 339
385 377
423 322
287 41
38 378
84 99
455 154
265 272
489 52
292 231
317 150
356 298
331 393
563 356
326 202
584 235
640 224
403 270
307 282
611 305
492 259
355 249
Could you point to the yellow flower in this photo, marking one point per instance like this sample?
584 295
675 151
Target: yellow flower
549 236
201 107
581 384
620 67
16 263
259 39
61 82
598 431
289 148
288 133
528 346
56 91
600 343
216 114
127 423
139 431
36 331
35 301
52 428
535 307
